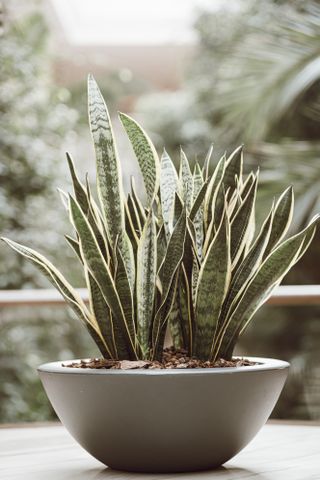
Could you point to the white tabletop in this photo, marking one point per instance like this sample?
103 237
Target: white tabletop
279 452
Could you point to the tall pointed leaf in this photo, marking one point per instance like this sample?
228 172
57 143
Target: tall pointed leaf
146 155
169 184
186 180
99 269
282 219
259 289
167 271
70 295
108 166
214 278
146 282
242 222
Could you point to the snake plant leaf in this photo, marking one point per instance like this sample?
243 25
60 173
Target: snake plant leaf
211 190
282 219
79 189
198 218
169 185
70 295
259 289
247 185
186 180
197 204
137 202
131 228
146 155
242 223
127 254
134 215
247 267
234 167
108 166
102 314
178 207
64 198
99 269
74 244
214 278
186 309
167 271
206 165
125 292
146 282
175 324
161 320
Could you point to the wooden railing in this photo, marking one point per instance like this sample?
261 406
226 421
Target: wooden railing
285 295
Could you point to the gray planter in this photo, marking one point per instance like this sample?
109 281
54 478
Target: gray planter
164 420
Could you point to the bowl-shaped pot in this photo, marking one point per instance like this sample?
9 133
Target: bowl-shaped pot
164 420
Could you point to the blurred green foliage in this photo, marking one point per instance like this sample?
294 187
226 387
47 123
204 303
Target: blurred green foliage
35 124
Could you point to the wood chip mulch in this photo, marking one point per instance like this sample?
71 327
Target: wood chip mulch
172 359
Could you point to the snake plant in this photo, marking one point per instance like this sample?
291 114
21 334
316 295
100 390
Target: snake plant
190 258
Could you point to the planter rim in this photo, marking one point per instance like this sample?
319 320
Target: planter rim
262 365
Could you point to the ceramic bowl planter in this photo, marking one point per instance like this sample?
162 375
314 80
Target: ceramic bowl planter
164 420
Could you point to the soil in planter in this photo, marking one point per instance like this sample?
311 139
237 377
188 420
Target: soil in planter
172 359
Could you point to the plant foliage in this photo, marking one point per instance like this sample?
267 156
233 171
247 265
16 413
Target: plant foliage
191 257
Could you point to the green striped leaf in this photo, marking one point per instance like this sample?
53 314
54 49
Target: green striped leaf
206 165
108 166
146 155
186 180
91 253
74 244
282 219
241 224
137 202
233 170
198 202
260 287
70 295
125 292
146 283
167 271
169 185
247 267
213 282
198 218
102 314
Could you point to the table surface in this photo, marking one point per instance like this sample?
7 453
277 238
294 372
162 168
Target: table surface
279 452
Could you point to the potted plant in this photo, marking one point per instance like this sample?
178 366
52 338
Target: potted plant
190 259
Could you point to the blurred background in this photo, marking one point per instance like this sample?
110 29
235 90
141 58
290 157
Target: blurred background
192 72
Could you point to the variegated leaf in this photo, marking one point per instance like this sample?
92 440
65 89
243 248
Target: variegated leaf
169 185
102 314
260 287
146 155
214 278
108 166
70 295
234 167
167 271
206 165
146 283
241 224
186 181
282 219
91 253
198 218
247 268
